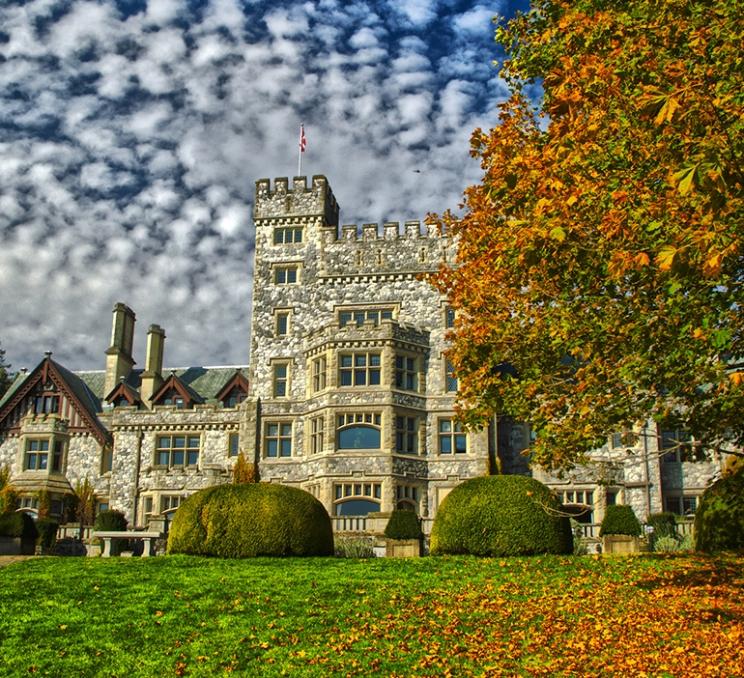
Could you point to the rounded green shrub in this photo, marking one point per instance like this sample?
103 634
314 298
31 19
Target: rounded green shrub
719 519
501 516
403 524
664 527
18 524
251 519
620 519
110 521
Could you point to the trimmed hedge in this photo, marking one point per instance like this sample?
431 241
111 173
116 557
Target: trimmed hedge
18 524
501 516
719 519
110 521
403 524
47 529
252 519
620 519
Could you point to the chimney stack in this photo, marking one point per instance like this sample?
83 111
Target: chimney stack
119 361
152 377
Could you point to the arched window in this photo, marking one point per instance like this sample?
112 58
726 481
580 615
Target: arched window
356 499
358 431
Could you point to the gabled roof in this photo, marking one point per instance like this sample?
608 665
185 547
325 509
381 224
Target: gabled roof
125 390
237 380
208 382
86 403
174 382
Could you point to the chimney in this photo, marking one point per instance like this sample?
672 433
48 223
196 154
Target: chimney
119 361
152 377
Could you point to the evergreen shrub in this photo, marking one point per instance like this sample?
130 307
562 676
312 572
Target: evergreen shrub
719 519
501 516
251 519
18 524
620 519
403 524
110 521
354 547
664 526
47 529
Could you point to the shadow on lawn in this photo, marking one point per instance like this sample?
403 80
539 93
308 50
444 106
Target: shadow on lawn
707 577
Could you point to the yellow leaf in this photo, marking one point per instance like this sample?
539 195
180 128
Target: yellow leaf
684 179
665 257
571 200
558 234
666 112
641 259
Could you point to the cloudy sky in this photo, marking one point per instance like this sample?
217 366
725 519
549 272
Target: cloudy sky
131 135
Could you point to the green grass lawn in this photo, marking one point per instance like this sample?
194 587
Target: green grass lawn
179 615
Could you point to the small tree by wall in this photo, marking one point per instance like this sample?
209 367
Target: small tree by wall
244 471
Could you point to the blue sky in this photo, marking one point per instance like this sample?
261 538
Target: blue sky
131 135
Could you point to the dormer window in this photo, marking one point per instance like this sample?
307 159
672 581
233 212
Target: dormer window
172 397
234 391
234 397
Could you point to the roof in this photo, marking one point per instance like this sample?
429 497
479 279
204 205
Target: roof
205 382
20 378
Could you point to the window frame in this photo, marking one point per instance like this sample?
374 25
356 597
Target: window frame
453 435
318 374
284 433
355 369
346 421
280 383
281 274
406 435
450 379
281 317
37 454
356 316
279 236
233 444
317 434
406 376
187 450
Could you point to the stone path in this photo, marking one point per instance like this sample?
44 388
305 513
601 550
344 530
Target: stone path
9 560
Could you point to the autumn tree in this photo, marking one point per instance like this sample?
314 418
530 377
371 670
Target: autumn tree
244 471
600 266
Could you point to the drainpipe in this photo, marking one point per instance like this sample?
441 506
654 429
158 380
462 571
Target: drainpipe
135 488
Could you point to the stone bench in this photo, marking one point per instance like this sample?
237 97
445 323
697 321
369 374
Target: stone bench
111 536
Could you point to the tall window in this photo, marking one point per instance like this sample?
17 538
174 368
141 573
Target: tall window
407 497
59 449
359 369
281 323
280 380
316 435
233 444
358 431
450 380
319 374
37 455
677 446
286 275
452 439
287 234
449 317
406 376
177 450
406 435
278 439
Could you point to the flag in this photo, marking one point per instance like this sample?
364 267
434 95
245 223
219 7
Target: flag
303 139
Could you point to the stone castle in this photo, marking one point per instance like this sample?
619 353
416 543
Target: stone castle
348 394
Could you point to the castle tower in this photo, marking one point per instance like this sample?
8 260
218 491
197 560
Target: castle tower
119 361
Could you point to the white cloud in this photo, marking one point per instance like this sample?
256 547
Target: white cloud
128 174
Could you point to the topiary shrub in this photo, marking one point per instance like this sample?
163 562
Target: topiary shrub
501 516
620 519
47 529
18 524
110 521
403 524
251 519
719 519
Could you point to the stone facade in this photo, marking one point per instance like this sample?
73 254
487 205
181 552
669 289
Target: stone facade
351 397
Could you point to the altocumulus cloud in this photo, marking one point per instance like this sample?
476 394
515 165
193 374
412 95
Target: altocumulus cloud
132 132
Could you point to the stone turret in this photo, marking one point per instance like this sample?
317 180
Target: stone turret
119 361
152 377
299 201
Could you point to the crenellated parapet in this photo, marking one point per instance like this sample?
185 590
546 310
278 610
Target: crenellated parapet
299 200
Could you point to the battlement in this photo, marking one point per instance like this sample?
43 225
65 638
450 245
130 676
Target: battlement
391 230
301 200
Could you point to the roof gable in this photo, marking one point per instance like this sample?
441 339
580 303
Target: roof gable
80 397
175 383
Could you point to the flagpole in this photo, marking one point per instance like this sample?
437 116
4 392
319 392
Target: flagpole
300 149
